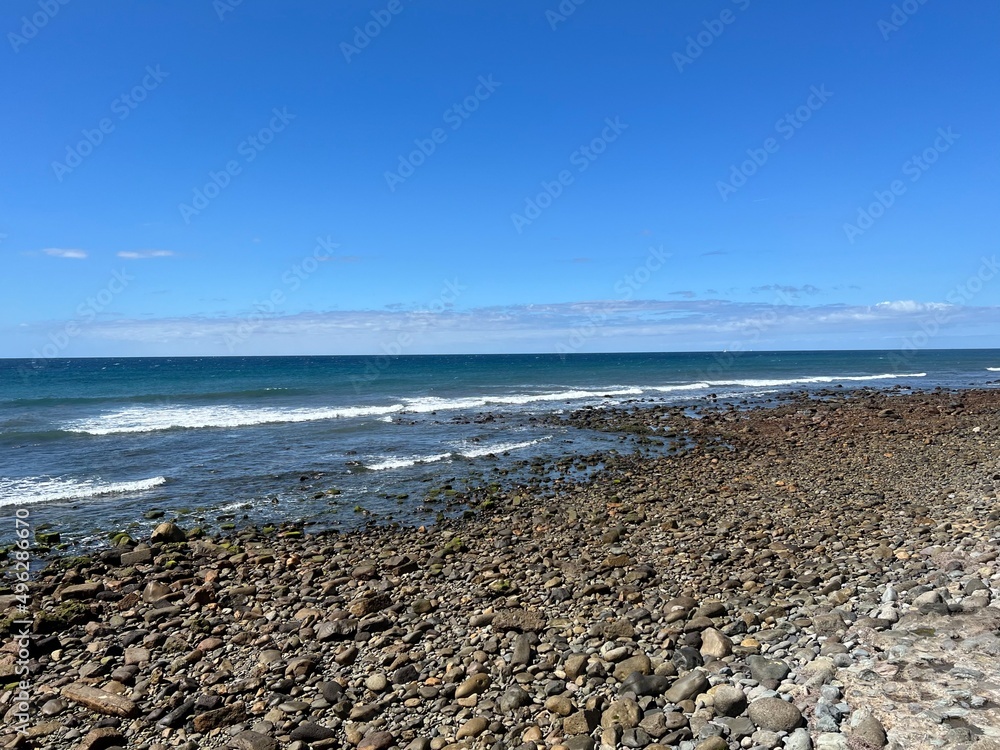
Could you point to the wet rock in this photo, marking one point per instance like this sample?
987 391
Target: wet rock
168 533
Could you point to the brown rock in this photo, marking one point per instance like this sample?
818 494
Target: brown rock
220 717
155 591
100 701
249 740
377 741
518 619
81 591
715 644
168 532
472 728
367 605
475 684
98 739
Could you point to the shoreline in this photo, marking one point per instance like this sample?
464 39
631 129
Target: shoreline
732 593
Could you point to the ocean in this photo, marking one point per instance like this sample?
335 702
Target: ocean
93 445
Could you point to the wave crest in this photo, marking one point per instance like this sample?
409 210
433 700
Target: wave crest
48 489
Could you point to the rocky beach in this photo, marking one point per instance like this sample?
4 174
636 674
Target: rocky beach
821 572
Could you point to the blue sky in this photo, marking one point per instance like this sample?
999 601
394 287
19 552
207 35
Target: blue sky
360 177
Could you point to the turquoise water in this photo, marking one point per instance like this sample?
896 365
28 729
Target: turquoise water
91 444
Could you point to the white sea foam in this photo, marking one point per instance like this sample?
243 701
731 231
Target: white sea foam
435 403
47 489
993 369
152 419
486 450
464 451
774 383
680 387
138 419
403 461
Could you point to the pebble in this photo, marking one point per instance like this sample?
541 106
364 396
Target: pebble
669 602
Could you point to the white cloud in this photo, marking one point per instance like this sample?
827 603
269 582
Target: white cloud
640 325
139 254
910 306
59 252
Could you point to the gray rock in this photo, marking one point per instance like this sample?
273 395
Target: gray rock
53 707
524 646
640 684
729 700
406 673
249 740
514 698
768 672
766 738
655 724
739 726
774 714
580 742
870 731
798 740
831 741
688 686
138 556
635 737
309 731
686 658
